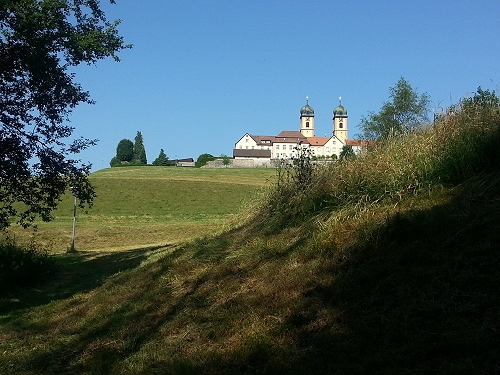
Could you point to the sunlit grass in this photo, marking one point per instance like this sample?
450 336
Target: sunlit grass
388 267
138 206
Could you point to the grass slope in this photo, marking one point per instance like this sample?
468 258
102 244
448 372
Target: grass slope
141 206
419 294
392 269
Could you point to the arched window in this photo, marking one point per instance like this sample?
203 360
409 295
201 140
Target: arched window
307 124
340 125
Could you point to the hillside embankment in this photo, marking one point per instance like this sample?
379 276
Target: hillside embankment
384 264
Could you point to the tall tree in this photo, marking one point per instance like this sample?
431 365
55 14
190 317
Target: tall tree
139 150
405 112
40 40
125 151
162 159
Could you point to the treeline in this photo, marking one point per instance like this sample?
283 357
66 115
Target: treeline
134 153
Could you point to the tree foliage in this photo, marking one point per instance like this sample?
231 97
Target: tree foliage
114 162
139 150
162 159
347 152
125 151
203 159
226 160
40 40
483 99
405 112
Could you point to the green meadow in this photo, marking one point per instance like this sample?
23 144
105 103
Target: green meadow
147 206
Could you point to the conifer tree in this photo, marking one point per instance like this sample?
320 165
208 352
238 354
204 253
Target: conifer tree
162 159
139 150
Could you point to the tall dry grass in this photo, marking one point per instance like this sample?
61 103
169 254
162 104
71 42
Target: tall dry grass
461 144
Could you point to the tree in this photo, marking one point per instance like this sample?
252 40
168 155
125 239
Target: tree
114 162
226 160
139 150
125 151
406 112
203 159
483 99
162 159
40 40
347 153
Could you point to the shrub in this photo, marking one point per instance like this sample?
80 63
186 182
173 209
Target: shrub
23 265
203 159
287 200
114 162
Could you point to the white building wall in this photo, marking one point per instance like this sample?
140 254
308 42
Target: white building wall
246 142
284 150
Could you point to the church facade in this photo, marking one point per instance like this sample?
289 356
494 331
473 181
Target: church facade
264 148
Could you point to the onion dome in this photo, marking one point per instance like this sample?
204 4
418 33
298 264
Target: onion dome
307 111
340 111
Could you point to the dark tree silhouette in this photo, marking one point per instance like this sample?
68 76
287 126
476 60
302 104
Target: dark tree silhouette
39 41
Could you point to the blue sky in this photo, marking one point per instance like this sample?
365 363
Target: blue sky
203 73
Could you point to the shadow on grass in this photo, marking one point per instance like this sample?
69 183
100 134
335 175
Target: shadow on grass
76 273
419 296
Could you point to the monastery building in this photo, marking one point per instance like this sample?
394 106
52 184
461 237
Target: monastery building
264 148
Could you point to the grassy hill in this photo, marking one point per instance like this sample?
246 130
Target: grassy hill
148 206
387 264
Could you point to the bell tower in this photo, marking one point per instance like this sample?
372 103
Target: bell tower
307 120
340 122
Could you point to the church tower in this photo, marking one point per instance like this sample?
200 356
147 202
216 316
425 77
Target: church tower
340 122
307 120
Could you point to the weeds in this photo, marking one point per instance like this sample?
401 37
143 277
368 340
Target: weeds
458 146
22 265
286 201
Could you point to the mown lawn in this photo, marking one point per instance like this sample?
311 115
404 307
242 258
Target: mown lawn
141 206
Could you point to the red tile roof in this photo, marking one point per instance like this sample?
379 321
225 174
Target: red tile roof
317 141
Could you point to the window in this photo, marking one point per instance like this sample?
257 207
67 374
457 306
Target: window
341 125
277 147
246 140
290 147
253 147
307 124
